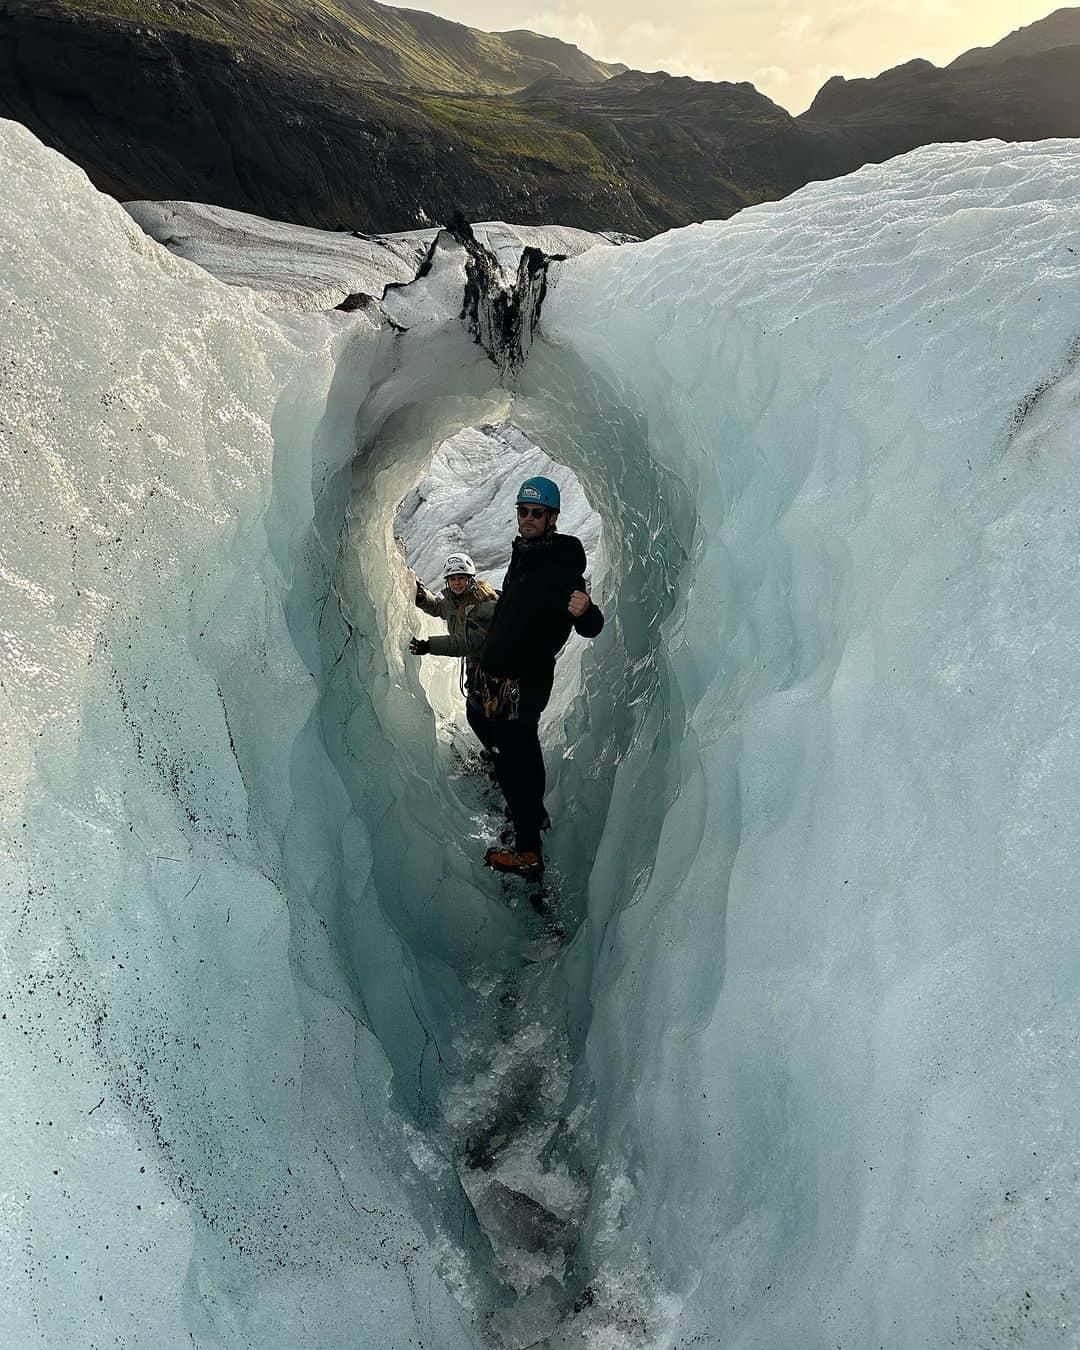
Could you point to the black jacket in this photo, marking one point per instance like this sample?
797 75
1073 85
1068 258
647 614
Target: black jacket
531 621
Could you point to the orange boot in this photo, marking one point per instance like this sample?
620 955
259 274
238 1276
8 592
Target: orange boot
528 865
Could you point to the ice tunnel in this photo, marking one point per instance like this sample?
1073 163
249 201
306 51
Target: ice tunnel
285 1067
465 504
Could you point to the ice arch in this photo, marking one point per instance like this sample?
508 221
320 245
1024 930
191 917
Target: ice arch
833 733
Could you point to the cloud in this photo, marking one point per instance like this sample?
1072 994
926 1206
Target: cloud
770 76
846 17
796 27
884 14
644 30
643 43
652 46
576 27
788 48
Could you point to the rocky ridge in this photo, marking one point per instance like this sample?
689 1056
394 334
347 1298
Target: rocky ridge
373 119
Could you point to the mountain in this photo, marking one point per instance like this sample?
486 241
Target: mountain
360 116
1060 29
348 42
174 110
1026 87
683 148
564 57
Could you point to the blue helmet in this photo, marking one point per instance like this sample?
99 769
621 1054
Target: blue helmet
539 492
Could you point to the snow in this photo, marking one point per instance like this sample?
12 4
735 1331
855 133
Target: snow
804 1073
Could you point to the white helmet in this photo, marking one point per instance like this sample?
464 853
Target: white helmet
459 565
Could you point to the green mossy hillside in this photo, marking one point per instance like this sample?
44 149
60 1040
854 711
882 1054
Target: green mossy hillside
348 45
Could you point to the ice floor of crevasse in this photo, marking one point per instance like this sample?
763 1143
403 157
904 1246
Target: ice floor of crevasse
505 1115
510 1122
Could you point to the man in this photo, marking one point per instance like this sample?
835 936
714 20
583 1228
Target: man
543 598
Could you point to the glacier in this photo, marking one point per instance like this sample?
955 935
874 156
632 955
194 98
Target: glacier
283 1065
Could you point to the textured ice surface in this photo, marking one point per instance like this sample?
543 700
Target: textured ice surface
807 1074
466 503
297 267
198 1146
833 1033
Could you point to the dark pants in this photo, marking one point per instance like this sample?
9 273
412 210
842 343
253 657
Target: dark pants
481 725
519 761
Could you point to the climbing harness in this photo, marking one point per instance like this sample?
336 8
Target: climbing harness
496 697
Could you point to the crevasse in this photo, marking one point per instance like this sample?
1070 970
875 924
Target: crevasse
807 1066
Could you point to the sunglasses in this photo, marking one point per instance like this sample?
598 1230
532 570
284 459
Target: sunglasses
535 512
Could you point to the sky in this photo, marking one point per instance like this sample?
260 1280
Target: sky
788 48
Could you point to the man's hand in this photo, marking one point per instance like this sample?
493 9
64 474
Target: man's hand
419 646
420 587
579 603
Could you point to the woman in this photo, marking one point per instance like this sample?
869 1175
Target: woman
466 605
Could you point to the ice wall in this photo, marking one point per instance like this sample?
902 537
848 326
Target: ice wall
199 1146
833 1038
806 1075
